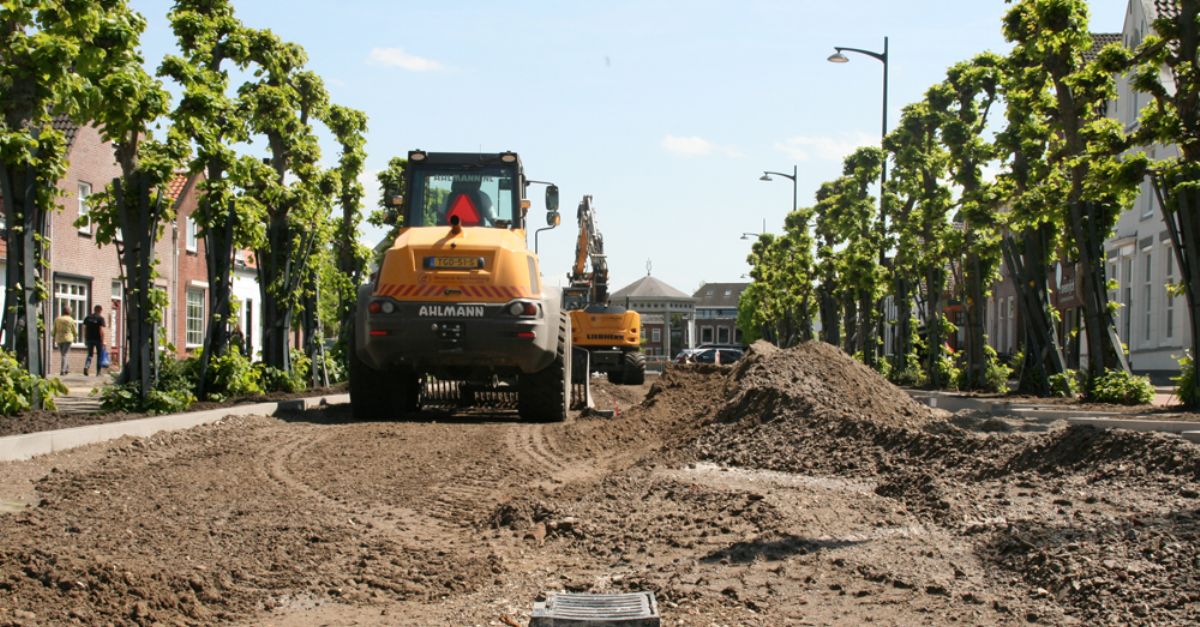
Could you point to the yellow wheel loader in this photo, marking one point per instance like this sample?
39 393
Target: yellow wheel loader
457 314
611 334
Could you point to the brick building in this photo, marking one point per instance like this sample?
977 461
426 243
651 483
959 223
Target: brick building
716 313
79 274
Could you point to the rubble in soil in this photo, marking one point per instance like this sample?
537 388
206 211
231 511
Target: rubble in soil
1105 524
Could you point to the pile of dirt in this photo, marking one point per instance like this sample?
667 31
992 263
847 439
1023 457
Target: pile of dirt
817 381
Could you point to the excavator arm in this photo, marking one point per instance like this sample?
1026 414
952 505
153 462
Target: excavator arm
589 247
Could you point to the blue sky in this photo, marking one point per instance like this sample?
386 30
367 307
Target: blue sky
666 112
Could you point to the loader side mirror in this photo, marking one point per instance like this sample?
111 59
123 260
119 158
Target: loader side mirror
552 199
552 218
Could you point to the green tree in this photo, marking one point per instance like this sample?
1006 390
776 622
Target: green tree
281 106
921 228
51 57
1034 220
1085 151
212 41
965 101
1167 70
349 127
131 213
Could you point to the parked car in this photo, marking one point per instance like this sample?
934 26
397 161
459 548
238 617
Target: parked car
723 356
685 355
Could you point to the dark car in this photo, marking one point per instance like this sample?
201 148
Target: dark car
723 356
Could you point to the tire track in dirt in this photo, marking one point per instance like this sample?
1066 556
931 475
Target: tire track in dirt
404 525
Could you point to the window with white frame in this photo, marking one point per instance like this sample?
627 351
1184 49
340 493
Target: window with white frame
1126 298
194 333
1168 297
85 224
722 335
1147 294
706 334
191 235
656 335
73 295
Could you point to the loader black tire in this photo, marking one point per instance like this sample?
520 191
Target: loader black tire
634 371
368 389
381 394
545 396
616 376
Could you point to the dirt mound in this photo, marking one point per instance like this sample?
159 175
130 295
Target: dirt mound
818 381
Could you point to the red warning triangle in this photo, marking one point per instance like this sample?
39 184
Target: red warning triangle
467 214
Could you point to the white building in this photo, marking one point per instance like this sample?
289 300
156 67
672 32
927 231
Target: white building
1139 256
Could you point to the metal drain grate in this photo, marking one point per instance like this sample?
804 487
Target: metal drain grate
634 609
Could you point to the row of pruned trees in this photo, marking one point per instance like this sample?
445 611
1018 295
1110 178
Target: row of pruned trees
1066 172
83 60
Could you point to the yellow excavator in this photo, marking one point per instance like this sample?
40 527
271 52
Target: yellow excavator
457 313
611 334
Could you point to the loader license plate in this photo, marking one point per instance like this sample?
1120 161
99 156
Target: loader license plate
454 263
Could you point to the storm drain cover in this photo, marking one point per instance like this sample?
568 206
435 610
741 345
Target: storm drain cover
634 609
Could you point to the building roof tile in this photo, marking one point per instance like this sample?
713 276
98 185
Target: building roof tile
649 287
723 295
1099 41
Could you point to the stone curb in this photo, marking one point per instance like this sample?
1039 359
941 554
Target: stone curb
1162 426
27 445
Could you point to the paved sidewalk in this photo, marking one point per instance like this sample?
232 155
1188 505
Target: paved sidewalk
79 398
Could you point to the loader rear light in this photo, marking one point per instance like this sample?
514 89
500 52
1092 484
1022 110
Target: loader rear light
526 335
523 308
381 306
377 332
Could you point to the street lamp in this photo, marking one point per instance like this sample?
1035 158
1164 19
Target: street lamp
793 176
882 57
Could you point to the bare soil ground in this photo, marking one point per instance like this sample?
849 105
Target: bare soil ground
35 421
794 488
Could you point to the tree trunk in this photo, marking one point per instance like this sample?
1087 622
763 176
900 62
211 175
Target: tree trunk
273 283
218 255
934 284
849 322
866 328
138 215
973 308
902 340
1043 352
1183 226
26 222
829 316
1104 350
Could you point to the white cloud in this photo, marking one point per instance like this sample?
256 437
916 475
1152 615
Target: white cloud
697 147
396 57
809 148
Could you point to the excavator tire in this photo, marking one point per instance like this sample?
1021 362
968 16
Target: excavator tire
634 372
545 396
617 375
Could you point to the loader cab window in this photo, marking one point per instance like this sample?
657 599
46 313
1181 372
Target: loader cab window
477 195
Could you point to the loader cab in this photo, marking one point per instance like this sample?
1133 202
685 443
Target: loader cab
474 190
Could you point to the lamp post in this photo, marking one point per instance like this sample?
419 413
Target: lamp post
882 57
767 177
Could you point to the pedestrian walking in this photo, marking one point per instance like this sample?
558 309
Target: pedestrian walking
64 337
93 338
